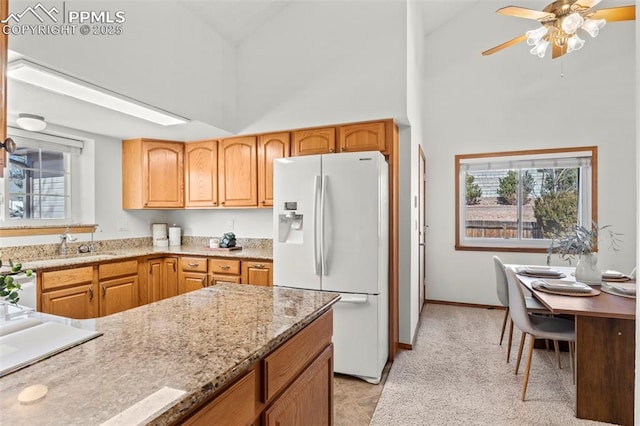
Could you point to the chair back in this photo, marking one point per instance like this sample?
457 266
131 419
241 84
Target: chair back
517 304
501 281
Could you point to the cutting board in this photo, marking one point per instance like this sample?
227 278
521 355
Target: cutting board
224 248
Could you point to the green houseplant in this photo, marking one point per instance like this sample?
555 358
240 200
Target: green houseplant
9 289
582 242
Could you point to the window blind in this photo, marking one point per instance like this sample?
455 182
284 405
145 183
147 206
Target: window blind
24 139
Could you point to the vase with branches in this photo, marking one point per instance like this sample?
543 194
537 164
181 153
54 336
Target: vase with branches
582 242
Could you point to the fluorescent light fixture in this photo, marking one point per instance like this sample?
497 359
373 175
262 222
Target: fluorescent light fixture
37 75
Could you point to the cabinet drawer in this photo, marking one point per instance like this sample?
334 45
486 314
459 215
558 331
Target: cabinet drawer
286 362
117 269
194 264
235 406
66 277
224 266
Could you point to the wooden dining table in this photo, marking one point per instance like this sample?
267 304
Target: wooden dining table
605 349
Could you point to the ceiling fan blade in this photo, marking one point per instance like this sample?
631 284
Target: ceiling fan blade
522 12
584 4
613 14
558 51
505 45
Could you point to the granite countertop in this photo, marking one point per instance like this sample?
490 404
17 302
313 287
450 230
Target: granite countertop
196 342
124 253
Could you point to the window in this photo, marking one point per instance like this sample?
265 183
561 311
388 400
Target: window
38 178
518 201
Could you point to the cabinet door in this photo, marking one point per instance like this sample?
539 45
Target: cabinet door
309 400
257 273
201 174
190 281
218 278
154 280
79 302
270 147
169 283
119 294
162 174
363 137
237 172
314 141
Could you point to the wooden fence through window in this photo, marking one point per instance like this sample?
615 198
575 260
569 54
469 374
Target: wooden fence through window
502 229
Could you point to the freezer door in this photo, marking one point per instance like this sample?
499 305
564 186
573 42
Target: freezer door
296 255
360 336
355 217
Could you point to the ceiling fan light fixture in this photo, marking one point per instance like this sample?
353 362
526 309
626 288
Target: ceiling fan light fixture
534 36
540 49
571 23
574 43
593 26
31 122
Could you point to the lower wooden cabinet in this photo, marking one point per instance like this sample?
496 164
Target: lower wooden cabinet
224 270
257 273
291 386
309 400
193 274
162 280
71 293
118 286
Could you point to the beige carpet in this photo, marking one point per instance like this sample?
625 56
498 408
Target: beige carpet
457 375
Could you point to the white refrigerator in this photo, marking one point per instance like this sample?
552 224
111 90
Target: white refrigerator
331 233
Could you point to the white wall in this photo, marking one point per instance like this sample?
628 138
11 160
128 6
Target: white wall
323 62
163 46
411 138
510 101
637 120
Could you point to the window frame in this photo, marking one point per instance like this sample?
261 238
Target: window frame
44 142
511 245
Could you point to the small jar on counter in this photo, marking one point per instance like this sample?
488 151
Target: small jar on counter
214 243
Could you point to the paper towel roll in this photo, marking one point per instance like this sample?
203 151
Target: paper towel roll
174 235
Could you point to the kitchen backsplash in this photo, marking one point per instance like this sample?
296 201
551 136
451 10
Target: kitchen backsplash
49 251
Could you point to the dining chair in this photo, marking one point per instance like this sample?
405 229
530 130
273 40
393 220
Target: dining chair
536 326
502 288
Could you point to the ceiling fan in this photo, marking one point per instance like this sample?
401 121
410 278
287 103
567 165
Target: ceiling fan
560 22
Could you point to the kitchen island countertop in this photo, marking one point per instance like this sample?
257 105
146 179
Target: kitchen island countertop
196 342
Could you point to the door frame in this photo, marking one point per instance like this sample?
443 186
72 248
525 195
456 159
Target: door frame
422 223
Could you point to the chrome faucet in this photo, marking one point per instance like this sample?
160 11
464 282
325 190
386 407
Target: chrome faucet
66 236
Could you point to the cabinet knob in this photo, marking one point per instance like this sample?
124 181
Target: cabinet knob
225 267
203 281
222 203
193 265
331 150
214 203
90 293
343 149
262 202
259 266
104 291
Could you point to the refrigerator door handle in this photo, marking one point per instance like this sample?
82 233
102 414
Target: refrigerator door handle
323 255
353 298
316 260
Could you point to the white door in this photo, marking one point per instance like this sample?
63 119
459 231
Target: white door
295 255
352 232
358 350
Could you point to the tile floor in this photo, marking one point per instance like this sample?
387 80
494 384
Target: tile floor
355 400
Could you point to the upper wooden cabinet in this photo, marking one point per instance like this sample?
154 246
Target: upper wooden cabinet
314 141
152 174
201 174
237 172
370 136
270 147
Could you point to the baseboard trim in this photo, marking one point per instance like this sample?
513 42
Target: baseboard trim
406 346
468 305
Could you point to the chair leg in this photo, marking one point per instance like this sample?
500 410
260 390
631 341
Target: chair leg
510 340
555 343
528 367
572 361
522 338
504 325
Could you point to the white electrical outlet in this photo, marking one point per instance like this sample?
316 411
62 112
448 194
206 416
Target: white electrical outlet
229 225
